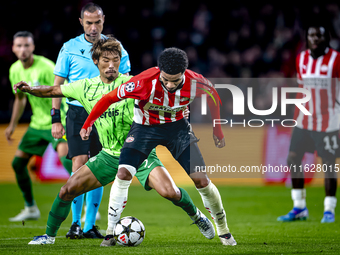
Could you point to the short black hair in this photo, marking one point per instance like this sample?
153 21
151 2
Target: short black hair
173 61
23 34
90 7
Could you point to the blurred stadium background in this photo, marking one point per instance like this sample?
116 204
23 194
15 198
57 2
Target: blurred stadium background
239 39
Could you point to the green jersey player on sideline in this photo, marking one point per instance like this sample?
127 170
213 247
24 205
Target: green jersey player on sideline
113 127
35 70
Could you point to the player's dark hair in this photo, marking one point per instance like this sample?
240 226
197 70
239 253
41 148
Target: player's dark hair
107 43
23 34
173 61
91 8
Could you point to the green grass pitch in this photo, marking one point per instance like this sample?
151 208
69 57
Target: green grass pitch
251 214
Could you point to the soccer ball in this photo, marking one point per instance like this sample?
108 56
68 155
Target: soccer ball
129 231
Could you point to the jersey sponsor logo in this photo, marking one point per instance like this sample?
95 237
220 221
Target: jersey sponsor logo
82 51
110 113
129 87
130 139
184 99
164 108
317 82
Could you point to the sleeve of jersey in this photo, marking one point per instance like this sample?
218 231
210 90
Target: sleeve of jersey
62 66
74 89
214 108
100 107
214 101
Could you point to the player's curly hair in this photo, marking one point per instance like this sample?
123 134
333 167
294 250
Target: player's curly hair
107 43
173 61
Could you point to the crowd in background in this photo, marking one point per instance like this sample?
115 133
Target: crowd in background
234 39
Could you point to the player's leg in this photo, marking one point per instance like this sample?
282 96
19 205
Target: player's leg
19 164
327 145
78 151
80 182
330 200
93 197
129 161
32 143
300 143
211 197
62 150
139 143
160 180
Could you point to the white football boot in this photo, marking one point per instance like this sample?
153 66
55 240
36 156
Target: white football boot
44 239
227 239
204 225
29 213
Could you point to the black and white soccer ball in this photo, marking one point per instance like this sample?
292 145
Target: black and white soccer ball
129 231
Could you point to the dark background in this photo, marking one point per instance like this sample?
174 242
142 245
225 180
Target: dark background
235 39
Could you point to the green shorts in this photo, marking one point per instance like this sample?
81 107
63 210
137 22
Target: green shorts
105 166
35 141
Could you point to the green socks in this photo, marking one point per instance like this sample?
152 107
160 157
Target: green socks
23 179
59 212
67 163
186 203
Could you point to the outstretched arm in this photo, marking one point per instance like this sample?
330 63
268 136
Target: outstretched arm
218 135
99 108
214 100
39 91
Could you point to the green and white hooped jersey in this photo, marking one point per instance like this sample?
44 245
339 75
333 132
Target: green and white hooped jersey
114 124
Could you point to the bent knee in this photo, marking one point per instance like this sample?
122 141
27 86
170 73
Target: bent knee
294 158
124 174
67 192
201 182
170 193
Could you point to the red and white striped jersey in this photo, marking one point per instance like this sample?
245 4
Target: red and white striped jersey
154 105
321 77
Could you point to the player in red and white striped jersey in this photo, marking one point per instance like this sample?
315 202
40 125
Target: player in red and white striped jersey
318 70
161 95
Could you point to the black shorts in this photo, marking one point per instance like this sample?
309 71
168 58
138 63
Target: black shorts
326 144
75 119
175 136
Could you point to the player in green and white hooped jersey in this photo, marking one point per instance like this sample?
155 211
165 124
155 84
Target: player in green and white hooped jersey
36 70
113 127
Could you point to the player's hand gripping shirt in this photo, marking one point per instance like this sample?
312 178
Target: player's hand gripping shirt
75 62
321 77
40 73
154 105
114 124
